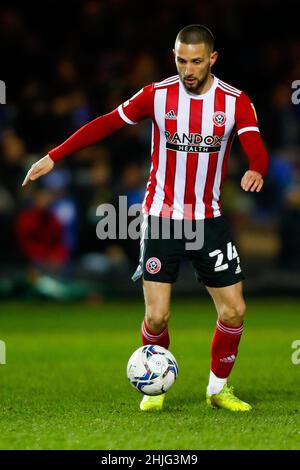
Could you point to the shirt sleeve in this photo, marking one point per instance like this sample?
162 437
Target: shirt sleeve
138 107
89 134
249 135
255 151
245 115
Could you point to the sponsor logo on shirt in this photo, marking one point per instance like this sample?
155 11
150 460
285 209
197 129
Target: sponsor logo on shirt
171 115
192 142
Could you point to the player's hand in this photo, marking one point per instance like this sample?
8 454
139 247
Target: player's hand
252 180
40 168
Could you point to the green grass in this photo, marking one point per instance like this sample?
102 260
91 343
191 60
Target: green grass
64 384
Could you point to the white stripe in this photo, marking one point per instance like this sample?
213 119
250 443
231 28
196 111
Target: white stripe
229 111
238 332
152 338
123 116
229 91
226 329
139 270
152 139
203 158
166 80
149 336
144 227
151 168
230 86
166 84
183 123
159 116
229 327
247 129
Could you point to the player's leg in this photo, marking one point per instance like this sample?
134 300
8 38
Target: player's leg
155 328
217 264
159 264
158 267
230 306
157 311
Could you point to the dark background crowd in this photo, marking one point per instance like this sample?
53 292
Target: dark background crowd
65 63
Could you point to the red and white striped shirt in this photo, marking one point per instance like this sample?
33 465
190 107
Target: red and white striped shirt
191 141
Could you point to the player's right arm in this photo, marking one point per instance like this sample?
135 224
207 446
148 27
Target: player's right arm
131 112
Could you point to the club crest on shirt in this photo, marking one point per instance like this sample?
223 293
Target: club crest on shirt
153 265
219 118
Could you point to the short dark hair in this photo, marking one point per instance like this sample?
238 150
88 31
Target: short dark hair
195 34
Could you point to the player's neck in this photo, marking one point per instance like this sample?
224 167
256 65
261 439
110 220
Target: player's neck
206 85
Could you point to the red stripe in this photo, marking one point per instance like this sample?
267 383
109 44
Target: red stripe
195 122
155 159
171 127
219 105
225 160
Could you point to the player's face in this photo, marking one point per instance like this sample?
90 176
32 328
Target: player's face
193 62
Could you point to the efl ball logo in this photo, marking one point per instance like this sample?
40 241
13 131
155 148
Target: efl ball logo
219 118
153 265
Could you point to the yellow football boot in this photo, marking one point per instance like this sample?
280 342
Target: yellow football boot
152 403
226 399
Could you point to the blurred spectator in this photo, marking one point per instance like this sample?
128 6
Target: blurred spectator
40 234
132 184
285 117
13 150
289 227
62 205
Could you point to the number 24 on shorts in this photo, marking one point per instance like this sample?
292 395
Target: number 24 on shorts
231 254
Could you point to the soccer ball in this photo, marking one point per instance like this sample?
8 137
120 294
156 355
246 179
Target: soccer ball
152 369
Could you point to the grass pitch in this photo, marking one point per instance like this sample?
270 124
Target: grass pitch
64 385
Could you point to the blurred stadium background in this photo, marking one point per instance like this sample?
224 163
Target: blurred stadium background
65 63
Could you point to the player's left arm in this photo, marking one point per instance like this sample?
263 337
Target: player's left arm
252 143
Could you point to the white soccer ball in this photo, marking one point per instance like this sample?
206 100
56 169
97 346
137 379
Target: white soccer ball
152 369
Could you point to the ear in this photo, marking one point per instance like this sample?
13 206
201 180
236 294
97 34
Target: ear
174 53
213 58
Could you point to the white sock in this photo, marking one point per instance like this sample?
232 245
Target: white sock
215 384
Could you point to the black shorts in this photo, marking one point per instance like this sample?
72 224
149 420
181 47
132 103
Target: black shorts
164 242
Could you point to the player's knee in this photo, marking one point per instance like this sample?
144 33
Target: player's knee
233 314
157 319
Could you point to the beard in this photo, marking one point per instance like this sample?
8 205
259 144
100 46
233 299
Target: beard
192 86
197 83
